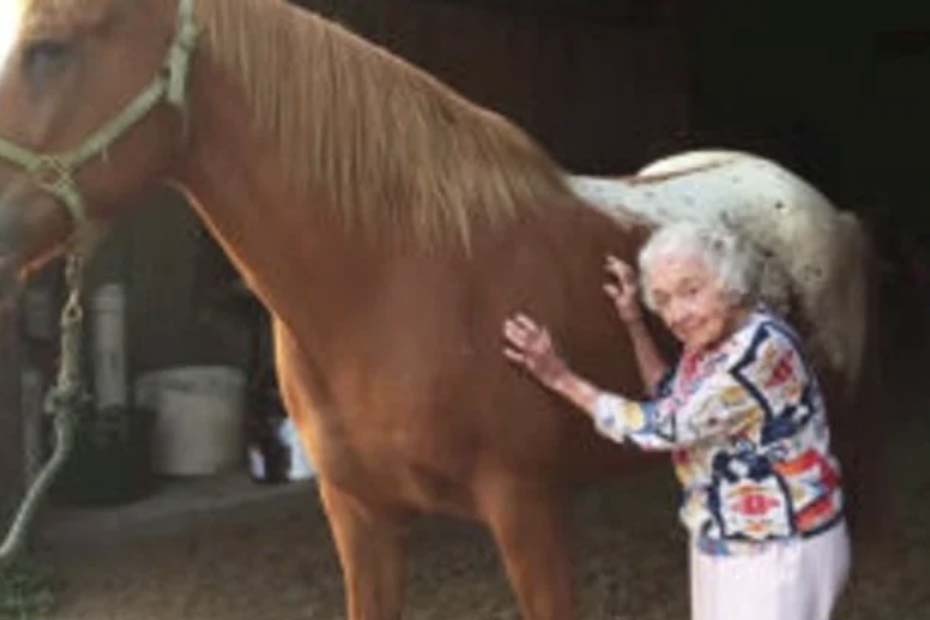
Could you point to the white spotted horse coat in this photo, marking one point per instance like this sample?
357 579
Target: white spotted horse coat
815 255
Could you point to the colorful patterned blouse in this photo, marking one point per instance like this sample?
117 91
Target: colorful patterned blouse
747 429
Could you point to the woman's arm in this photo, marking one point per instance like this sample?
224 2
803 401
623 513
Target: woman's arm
625 295
720 406
578 391
652 366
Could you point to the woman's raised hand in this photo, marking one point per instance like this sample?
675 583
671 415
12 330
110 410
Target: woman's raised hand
529 345
623 290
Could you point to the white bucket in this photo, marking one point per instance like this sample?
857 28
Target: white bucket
198 418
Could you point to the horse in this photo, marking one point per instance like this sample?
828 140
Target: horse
389 226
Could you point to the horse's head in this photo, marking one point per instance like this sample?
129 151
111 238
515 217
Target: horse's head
83 123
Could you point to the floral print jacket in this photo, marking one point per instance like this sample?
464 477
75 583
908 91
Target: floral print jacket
747 429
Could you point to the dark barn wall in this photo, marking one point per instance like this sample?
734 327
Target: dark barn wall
837 90
840 93
600 85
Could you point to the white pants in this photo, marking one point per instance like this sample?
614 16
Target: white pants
800 580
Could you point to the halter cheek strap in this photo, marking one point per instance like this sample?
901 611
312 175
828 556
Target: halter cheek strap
55 172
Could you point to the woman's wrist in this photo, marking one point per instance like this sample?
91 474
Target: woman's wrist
573 388
561 382
630 313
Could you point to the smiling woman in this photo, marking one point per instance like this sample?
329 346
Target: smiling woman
741 413
11 14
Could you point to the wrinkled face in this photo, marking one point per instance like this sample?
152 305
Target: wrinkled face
690 300
66 68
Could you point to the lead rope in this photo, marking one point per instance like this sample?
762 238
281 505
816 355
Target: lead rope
63 402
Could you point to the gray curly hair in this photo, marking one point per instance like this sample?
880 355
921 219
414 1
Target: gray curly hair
732 258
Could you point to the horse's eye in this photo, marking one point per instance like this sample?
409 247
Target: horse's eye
42 59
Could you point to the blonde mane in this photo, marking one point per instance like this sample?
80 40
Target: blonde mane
394 149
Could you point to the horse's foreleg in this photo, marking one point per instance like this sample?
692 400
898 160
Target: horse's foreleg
527 523
371 547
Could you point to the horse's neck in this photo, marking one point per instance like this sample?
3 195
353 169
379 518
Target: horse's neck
287 246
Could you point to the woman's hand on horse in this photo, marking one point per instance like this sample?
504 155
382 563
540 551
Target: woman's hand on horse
623 290
530 345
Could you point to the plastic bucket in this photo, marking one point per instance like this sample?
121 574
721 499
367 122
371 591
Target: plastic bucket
111 462
199 426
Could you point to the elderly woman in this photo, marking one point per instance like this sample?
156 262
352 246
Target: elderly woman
742 415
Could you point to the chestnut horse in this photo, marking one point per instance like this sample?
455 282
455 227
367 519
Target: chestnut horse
387 224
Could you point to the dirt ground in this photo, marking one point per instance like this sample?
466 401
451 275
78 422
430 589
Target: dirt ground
630 561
